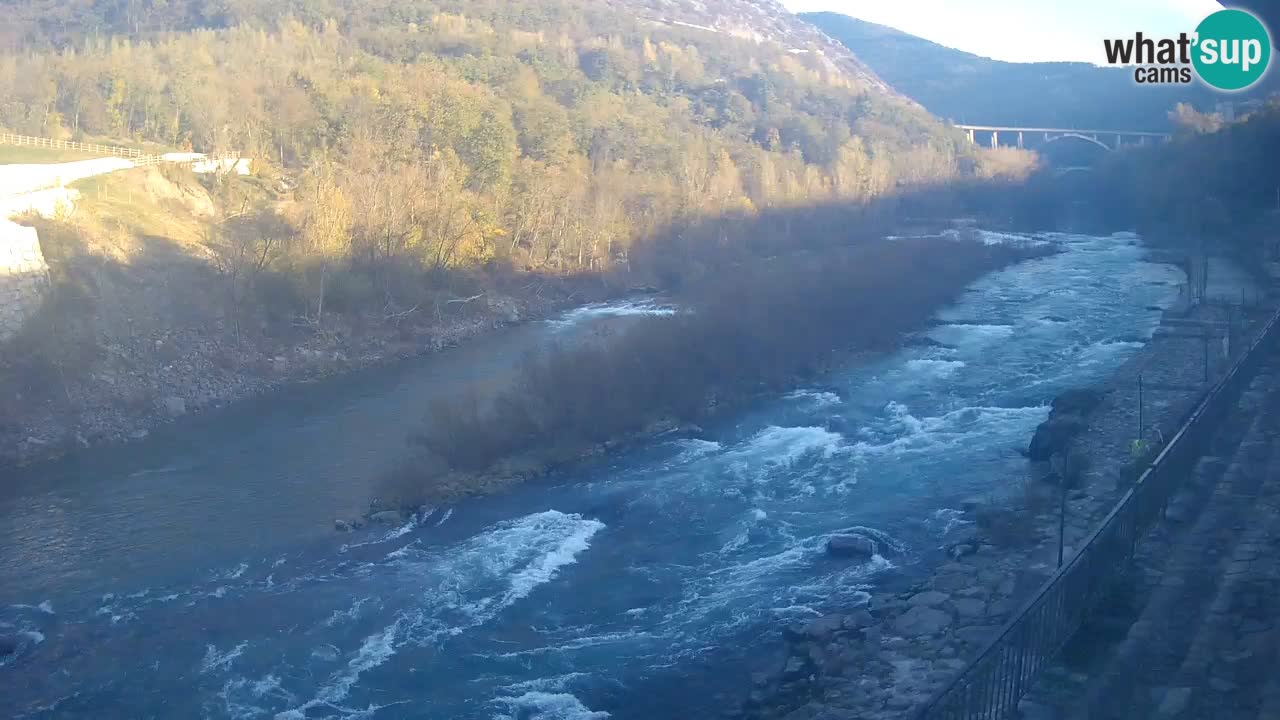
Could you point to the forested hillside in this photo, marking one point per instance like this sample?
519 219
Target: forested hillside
551 133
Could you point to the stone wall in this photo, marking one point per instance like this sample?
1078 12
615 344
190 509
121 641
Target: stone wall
24 276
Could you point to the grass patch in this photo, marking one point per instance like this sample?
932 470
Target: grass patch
24 155
122 208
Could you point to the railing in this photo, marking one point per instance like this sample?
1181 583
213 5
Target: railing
991 685
28 141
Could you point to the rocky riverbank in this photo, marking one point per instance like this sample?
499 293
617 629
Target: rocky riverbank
887 657
159 376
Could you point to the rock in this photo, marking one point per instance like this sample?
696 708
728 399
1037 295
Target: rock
1053 436
692 430
387 517
794 667
1174 704
851 546
968 608
977 634
952 582
660 427
858 620
8 646
174 406
962 550
820 629
922 620
348 525
928 598
1079 402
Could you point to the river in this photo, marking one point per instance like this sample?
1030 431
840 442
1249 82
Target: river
197 574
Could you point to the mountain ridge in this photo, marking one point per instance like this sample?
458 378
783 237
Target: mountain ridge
969 88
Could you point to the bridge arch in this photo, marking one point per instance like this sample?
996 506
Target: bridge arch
1078 136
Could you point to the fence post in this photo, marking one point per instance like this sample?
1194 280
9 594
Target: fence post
1204 329
1141 420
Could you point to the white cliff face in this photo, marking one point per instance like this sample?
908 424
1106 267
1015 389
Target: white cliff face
24 277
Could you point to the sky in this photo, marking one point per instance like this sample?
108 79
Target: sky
1024 30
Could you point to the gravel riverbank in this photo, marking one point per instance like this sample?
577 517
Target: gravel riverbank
160 376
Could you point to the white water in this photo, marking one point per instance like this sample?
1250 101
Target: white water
640 586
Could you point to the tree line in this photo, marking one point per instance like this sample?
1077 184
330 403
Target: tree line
545 136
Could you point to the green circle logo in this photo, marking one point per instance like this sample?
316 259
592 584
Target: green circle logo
1232 51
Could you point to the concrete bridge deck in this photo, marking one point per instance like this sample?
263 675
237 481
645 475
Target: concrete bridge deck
1107 139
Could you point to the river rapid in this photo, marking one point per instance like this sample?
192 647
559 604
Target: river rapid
197 575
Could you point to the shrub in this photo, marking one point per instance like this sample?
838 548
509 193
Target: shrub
758 327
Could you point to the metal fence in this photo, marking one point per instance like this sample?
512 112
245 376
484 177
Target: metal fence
28 141
990 686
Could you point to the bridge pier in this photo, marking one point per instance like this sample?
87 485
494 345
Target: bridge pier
995 138
1019 139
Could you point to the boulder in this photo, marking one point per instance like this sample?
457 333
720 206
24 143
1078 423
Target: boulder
951 582
921 620
928 598
978 634
855 546
348 525
969 608
858 620
820 629
1080 402
387 517
795 667
692 430
174 406
1053 436
8 646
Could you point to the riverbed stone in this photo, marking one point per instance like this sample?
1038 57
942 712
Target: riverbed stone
928 598
969 608
977 634
387 517
851 546
174 406
857 620
922 620
951 582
